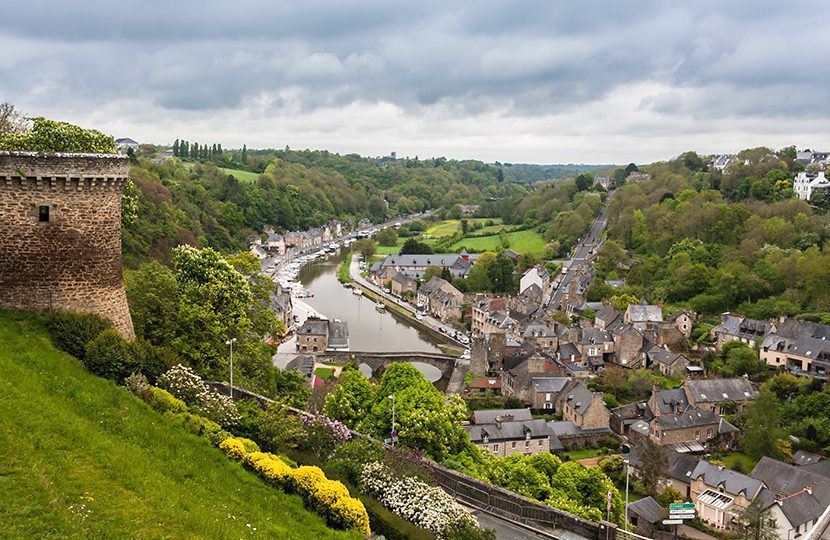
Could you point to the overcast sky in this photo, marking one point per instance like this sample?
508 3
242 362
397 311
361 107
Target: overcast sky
552 81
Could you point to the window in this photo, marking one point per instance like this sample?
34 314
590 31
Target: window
697 434
547 396
495 448
513 444
527 444
548 405
43 213
541 442
709 433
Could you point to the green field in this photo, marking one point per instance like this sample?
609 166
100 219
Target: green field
242 176
82 458
324 373
527 241
452 226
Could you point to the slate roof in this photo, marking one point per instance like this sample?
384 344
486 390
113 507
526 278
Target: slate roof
644 313
563 428
590 336
488 416
607 313
719 390
662 356
787 479
314 327
338 335
693 418
670 401
566 350
677 314
507 431
801 508
579 397
742 327
302 363
537 330
681 466
434 284
403 279
802 338
550 384
648 509
732 482
822 468
280 302
802 458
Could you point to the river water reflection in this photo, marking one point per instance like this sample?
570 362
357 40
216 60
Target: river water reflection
370 330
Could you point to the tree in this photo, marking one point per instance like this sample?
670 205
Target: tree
431 272
351 399
654 464
51 136
279 428
108 356
176 148
11 121
755 523
153 297
414 247
740 359
479 276
622 301
761 427
387 237
244 157
500 273
366 247
465 226
584 181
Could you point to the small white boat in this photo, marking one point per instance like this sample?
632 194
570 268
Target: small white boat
380 306
357 291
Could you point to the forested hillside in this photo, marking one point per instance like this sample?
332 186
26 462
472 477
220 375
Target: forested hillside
202 204
716 241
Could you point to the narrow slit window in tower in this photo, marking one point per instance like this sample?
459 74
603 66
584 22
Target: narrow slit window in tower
43 214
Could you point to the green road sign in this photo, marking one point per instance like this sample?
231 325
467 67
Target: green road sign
679 506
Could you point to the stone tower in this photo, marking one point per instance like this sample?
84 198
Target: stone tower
60 234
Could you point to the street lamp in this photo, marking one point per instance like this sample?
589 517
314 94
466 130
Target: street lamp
627 467
394 434
230 343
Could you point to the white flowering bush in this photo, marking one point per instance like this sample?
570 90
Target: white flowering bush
426 506
183 383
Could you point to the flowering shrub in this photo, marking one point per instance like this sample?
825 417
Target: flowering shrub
233 448
322 434
414 500
184 384
271 468
325 493
306 479
250 446
349 513
163 401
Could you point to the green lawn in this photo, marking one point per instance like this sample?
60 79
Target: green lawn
242 176
82 458
583 453
746 463
324 373
527 241
444 228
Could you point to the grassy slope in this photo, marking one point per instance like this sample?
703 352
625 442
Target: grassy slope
242 176
68 438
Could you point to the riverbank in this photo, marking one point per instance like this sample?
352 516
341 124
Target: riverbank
343 274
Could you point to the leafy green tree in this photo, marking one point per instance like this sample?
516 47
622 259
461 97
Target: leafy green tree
415 247
279 429
387 237
740 359
431 272
176 148
762 427
51 136
501 275
755 523
622 301
108 356
366 247
479 276
152 293
351 399
584 181
654 463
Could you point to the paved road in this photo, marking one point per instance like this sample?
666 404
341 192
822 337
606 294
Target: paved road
582 251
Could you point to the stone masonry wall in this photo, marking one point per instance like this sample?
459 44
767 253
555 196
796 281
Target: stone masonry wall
73 261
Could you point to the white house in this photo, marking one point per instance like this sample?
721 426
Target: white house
537 275
805 184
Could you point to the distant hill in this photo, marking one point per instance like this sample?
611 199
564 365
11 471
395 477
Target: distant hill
83 458
529 173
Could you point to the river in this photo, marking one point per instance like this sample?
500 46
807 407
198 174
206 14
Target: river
370 330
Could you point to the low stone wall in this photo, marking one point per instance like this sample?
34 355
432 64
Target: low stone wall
584 438
482 495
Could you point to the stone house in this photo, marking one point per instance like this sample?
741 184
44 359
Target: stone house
683 322
259 251
541 337
318 335
605 315
666 362
628 342
595 346
504 432
283 309
481 307
484 385
447 305
746 330
719 395
800 347
643 317
546 391
402 284
646 516
415 266
695 425
584 408
296 239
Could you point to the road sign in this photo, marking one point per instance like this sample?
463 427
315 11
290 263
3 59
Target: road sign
681 516
679 506
682 511
672 522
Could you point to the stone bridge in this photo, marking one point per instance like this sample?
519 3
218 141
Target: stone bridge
379 361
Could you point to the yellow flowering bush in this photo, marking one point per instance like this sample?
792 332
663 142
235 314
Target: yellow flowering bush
325 493
233 448
349 513
306 479
271 468
250 446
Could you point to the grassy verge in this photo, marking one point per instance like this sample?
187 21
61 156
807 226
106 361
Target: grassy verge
84 459
450 351
343 270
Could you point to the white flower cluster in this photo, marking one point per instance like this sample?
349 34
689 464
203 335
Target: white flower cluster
426 506
183 383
